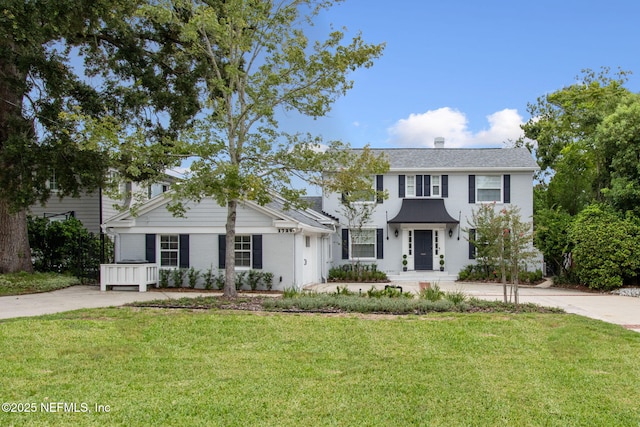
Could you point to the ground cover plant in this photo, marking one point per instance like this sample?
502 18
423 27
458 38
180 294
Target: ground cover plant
29 283
185 367
389 300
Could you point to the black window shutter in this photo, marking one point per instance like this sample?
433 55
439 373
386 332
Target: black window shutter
418 185
472 246
444 180
150 248
256 248
507 189
345 243
400 185
222 245
183 256
379 243
472 188
427 185
379 188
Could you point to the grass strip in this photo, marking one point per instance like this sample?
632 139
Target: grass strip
31 283
200 368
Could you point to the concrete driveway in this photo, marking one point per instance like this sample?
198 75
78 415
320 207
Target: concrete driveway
620 310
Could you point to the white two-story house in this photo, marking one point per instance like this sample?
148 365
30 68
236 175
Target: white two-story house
432 194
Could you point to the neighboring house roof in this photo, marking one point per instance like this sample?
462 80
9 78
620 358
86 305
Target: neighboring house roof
420 211
458 158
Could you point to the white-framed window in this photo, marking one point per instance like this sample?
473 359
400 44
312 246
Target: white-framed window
488 188
435 186
363 243
169 250
53 183
365 196
242 251
410 185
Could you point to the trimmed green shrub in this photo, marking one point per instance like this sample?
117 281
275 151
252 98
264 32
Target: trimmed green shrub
192 276
219 279
177 276
253 279
66 247
267 280
208 279
605 247
240 279
163 278
357 273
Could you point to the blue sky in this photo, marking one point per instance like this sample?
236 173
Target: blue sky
466 69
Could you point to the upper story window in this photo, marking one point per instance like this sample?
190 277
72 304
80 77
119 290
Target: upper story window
489 188
411 186
368 196
53 183
435 185
423 186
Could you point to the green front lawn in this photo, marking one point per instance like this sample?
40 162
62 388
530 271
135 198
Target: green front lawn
179 367
27 283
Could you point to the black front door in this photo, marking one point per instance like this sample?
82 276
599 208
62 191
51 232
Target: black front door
423 257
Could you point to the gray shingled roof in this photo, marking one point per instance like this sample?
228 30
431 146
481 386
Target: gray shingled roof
458 158
296 214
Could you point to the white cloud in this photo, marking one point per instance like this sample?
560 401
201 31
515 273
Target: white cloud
419 130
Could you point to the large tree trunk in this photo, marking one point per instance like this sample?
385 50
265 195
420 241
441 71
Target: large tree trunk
230 258
15 253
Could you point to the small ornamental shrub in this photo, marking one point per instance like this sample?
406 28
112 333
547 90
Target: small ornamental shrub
193 276
219 279
456 297
267 280
431 294
253 278
357 273
208 279
163 278
240 279
177 275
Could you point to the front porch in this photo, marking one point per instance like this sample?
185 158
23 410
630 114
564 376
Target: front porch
132 274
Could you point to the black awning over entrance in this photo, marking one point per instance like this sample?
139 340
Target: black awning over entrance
423 211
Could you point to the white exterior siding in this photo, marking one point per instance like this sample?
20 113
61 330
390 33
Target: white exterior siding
516 164
205 214
129 247
86 209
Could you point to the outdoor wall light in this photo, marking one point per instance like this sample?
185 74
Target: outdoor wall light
450 232
396 232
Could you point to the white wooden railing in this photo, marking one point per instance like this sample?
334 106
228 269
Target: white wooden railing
140 275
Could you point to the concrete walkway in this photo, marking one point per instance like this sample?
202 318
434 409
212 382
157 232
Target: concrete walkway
620 310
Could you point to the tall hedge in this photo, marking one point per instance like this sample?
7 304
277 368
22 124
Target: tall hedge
605 247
